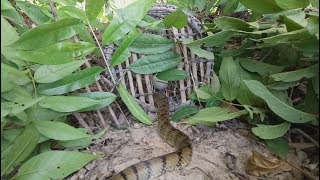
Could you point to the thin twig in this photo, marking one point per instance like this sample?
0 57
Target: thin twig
301 170
306 136
102 53
82 122
53 11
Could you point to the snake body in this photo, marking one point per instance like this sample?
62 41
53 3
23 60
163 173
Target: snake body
157 166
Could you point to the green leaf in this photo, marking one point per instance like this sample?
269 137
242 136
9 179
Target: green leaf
313 25
176 19
229 23
292 4
62 52
53 165
57 31
72 12
282 85
213 114
20 149
207 90
315 84
279 146
259 67
8 33
287 37
17 94
51 73
295 21
67 103
93 8
15 75
201 52
216 39
262 6
292 76
271 131
34 12
229 78
117 57
104 98
72 82
155 63
172 75
283 110
184 111
38 113
150 44
128 19
58 130
18 107
133 106
200 4
215 83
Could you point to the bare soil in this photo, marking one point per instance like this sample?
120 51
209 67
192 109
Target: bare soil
218 153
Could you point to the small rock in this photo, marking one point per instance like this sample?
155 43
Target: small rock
301 155
197 139
136 126
144 140
128 134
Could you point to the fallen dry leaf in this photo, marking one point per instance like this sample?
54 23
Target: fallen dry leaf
259 165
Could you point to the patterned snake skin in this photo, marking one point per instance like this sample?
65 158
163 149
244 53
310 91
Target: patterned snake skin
155 167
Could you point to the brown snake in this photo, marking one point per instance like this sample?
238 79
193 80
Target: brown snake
157 166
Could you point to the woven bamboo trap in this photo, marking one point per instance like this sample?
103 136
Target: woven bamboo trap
142 86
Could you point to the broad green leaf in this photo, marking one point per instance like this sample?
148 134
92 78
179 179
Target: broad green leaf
65 2
150 44
172 75
104 98
271 131
133 106
206 89
67 103
51 73
229 78
259 67
53 165
292 4
282 96
216 39
93 8
293 76
17 94
20 149
60 53
295 21
18 107
313 25
184 111
279 146
262 6
15 75
72 82
243 49
72 12
8 33
282 85
128 19
277 106
310 104
202 95
177 19
287 37
58 130
155 63
117 57
213 114
53 32
38 113
33 11
200 4
201 52
229 23
215 83
315 3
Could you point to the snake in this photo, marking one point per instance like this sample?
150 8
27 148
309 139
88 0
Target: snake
155 167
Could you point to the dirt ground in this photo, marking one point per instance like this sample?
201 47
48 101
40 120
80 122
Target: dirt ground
218 153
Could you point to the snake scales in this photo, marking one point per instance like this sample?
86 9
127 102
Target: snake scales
157 166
